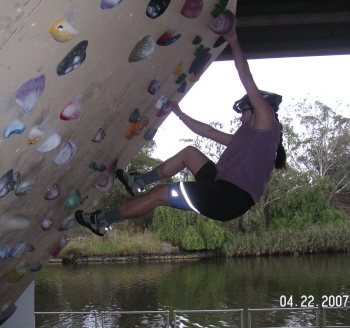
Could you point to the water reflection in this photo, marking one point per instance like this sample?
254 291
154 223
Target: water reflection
216 284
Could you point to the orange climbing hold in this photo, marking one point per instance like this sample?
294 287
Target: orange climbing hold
135 129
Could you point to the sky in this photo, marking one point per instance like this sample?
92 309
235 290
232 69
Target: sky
324 78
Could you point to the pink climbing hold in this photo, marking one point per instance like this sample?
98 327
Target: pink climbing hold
110 174
166 109
70 112
60 245
47 224
99 136
192 8
225 22
53 192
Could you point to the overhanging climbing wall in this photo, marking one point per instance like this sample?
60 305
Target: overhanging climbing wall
76 97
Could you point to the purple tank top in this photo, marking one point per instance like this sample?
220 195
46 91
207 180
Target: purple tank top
249 158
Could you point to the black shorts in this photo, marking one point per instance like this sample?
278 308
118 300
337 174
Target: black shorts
217 199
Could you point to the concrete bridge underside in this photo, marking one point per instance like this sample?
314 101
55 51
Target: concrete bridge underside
292 28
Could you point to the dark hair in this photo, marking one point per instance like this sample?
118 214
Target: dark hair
281 157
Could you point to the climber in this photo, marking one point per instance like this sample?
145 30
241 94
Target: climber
221 191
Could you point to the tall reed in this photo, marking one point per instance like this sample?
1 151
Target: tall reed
316 238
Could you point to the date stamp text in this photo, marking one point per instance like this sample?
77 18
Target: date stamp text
308 301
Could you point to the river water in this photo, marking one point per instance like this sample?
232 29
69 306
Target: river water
210 284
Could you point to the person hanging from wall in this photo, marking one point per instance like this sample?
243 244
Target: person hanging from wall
221 191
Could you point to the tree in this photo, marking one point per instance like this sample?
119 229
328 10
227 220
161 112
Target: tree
323 145
209 147
143 161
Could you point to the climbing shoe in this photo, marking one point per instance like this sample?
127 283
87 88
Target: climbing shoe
131 182
91 221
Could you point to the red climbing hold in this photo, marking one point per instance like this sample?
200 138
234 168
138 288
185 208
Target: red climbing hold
192 8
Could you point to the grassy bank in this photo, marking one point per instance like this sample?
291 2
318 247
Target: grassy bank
117 242
314 239
121 242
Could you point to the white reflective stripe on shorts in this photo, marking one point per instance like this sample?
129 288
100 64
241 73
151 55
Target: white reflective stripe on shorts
187 199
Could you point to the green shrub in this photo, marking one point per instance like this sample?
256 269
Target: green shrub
192 240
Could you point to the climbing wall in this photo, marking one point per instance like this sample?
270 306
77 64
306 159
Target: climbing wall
83 86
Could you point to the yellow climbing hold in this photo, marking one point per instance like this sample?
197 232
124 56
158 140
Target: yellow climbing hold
63 31
178 68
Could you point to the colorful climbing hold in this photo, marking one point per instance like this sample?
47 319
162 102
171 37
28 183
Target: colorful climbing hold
192 8
47 224
135 129
63 31
143 49
16 127
74 199
199 51
5 251
110 174
50 143
219 8
66 153
161 102
99 136
199 63
70 112
30 248
224 23
24 188
35 135
135 116
73 59
101 168
18 272
195 78
19 250
30 92
181 78
68 223
52 192
93 166
220 41
178 69
8 182
60 245
13 222
166 109
169 37
197 40
36 267
108 4
149 135
156 8
154 87
182 87
6 312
